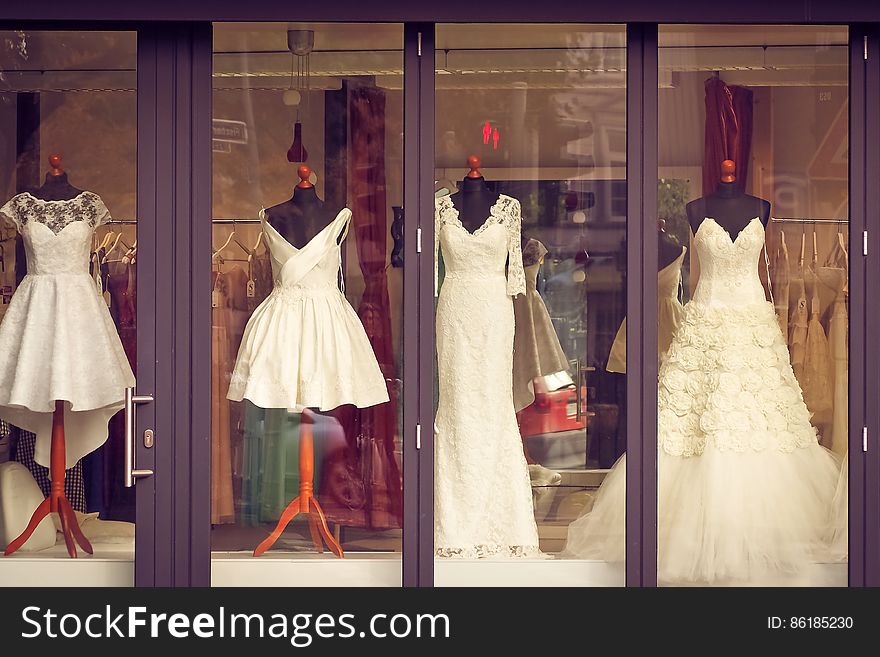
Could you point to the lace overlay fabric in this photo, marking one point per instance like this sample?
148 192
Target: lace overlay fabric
25 208
507 213
483 499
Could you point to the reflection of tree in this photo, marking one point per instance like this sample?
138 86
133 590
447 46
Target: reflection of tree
672 196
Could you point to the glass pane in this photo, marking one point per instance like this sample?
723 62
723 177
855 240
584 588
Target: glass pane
307 279
752 235
68 120
531 256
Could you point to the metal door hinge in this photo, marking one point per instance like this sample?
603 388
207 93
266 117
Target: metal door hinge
420 45
864 439
418 240
865 243
866 46
418 436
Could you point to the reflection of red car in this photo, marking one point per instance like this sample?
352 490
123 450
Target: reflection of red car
552 429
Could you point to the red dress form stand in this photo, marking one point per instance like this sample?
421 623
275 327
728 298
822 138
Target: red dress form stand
306 502
57 501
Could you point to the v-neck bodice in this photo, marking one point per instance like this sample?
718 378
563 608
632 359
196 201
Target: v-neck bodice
315 264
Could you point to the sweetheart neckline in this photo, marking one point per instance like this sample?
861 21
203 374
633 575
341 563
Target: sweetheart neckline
733 240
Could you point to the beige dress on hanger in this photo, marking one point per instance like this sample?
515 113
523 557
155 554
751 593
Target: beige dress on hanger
669 311
780 283
816 376
835 275
222 503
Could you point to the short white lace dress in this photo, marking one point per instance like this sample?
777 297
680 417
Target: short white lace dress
304 346
57 339
483 496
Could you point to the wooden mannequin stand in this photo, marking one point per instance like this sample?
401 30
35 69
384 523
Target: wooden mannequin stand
305 503
57 501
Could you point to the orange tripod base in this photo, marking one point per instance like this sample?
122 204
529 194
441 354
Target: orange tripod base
317 526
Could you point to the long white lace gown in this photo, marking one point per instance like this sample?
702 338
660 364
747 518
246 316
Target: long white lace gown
304 346
483 497
57 339
744 489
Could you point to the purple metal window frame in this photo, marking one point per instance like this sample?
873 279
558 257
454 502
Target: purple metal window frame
174 183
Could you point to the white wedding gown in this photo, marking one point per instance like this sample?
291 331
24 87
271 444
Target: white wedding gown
483 497
744 487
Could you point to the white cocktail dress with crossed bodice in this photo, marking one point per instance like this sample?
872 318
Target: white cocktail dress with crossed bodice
304 346
57 339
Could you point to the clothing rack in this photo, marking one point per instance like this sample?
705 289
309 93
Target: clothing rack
804 220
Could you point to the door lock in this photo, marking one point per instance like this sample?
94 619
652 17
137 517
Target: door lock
148 438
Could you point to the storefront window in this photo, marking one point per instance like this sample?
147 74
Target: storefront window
530 223
68 263
307 295
752 233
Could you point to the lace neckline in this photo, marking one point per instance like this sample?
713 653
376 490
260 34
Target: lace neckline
454 215
733 240
63 200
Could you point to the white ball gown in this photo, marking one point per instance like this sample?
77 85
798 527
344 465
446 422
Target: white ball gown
57 339
744 488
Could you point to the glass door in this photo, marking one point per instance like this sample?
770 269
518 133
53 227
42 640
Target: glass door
307 304
754 243
69 311
530 285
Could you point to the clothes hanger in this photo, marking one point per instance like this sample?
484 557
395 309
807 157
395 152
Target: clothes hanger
116 244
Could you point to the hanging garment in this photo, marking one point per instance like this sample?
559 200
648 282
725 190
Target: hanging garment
222 502
744 487
669 311
536 348
798 327
780 283
815 379
57 339
835 274
304 346
482 490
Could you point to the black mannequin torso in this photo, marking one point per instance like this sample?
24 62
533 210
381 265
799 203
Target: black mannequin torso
300 218
474 202
729 207
669 249
56 188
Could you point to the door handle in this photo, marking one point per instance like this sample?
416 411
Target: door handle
131 472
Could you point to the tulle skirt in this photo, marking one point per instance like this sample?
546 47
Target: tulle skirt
722 516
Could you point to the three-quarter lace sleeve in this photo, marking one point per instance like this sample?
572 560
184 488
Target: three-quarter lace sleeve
516 277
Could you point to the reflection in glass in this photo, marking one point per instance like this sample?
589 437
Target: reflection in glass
307 315
530 255
67 279
753 388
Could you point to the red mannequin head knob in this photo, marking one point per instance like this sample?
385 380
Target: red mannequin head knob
304 172
728 171
473 163
55 164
